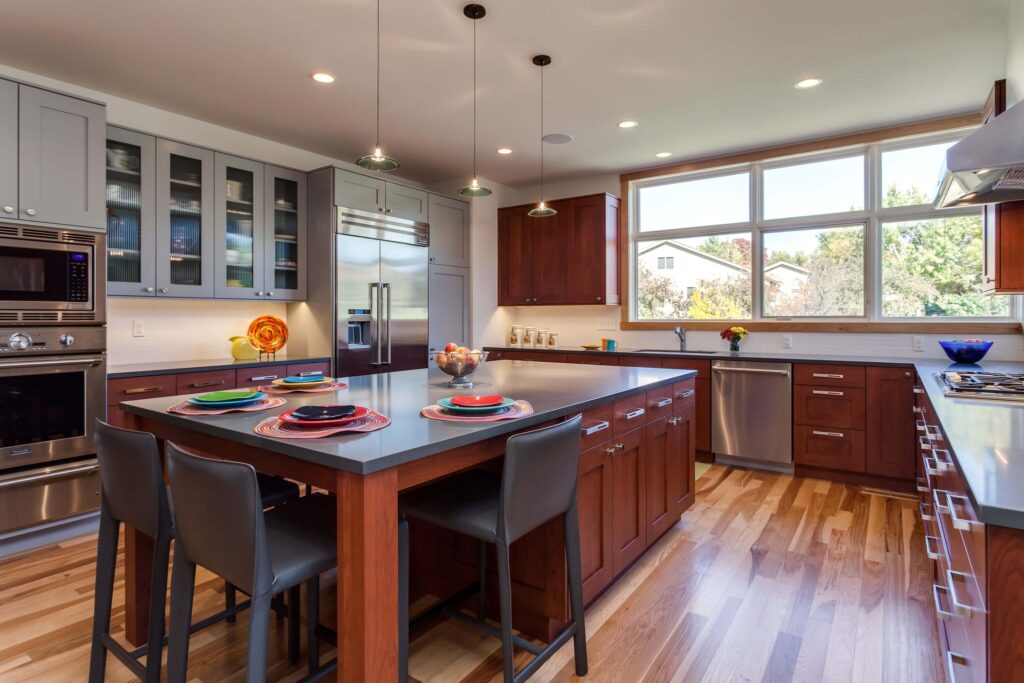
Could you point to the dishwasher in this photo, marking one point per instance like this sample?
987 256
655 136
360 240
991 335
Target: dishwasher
752 414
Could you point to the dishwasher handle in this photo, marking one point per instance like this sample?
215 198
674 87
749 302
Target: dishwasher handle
753 371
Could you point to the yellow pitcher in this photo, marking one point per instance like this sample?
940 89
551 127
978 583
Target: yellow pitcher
241 349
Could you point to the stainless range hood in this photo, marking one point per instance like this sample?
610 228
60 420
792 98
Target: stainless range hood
987 166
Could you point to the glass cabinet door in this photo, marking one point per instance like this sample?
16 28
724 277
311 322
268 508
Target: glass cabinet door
131 213
239 212
286 234
185 223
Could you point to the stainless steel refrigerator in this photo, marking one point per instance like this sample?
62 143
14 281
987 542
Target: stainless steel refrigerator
381 293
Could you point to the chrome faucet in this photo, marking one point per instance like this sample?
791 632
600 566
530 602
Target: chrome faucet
681 333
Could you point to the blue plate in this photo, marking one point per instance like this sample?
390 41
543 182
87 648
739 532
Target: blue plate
449 406
296 379
226 404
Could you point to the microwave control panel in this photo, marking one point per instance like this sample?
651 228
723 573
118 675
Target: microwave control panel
52 340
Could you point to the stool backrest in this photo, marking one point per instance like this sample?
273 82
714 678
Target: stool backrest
539 478
132 477
218 518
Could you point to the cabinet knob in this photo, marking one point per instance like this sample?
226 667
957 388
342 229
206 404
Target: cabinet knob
270 294
30 212
387 210
380 208
147 289
163 290
8 209
906 374
598 298
259 293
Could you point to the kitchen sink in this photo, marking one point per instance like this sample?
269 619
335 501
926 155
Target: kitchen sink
676 351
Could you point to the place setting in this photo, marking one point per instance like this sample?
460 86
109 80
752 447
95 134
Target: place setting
317 422
230 401
477 409
305 383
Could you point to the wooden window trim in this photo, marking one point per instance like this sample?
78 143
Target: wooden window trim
896 327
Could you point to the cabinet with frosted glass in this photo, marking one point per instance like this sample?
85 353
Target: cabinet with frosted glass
131 213
239 243
284 198
184 220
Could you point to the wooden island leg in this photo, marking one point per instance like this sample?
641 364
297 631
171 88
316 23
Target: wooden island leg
138 569
368 576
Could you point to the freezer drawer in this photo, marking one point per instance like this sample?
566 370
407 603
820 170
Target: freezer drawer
44 494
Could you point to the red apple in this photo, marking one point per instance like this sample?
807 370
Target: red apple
450 347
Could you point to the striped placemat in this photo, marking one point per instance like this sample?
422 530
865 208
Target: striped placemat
186 408
278 390
275 427
517 409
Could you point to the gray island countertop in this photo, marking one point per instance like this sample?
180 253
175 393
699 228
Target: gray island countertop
553 389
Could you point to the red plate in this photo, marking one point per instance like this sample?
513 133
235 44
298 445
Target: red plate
476 401
290 419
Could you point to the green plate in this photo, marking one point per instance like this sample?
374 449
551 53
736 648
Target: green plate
220 396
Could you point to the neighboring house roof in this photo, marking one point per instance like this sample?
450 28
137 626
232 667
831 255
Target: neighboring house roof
790 266
694 252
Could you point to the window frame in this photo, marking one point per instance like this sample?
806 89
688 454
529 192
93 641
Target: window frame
872 217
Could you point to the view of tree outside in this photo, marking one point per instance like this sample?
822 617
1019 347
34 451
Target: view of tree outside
814 272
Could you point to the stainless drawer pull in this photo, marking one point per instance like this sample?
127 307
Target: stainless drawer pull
310 373
953 660
918 409
674 421
610 450
929 469
943 459
822 392
262 378
931 547
142 390
959 522
633 414
926 512
961 608
937 495
199 385
751 371
918 390
943 614
923 443
661 403
48 476
688 393
828 375
933 432
595 428
922 486
832 435
920 425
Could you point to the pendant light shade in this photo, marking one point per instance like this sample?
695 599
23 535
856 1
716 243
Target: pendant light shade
474 189
377 161
542 210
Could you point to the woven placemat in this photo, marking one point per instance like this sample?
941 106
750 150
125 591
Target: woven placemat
516 410
186 408
275 427
276 389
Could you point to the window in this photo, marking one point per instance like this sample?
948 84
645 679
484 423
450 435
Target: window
711 282
814 272
847 234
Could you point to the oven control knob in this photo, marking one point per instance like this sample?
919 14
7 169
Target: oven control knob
19 341
67 339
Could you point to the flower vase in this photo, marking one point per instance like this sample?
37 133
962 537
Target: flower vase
734 346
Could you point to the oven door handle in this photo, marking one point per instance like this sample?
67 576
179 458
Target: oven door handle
30 478
49 363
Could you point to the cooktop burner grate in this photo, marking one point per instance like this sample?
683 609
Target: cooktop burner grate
970 384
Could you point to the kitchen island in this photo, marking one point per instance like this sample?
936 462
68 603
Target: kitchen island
636 478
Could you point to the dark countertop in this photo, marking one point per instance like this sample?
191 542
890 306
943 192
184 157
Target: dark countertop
173 367
793 357
987 439
554 389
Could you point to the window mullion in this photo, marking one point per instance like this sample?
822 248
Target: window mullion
756 257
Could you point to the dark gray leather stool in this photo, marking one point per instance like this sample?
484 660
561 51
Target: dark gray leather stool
133 492
537 484
220 524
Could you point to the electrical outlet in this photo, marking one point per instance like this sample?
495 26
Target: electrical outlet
917 344
607 324
137 329
787 341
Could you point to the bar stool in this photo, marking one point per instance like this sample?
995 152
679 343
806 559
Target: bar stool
221 525
133 492
537 484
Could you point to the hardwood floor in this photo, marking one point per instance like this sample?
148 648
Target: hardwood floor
767 577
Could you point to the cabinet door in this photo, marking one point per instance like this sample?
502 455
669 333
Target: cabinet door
890 422
356 191
60 159
548 246
661 437
515 260
131 213
449 306
585 251
406 202
239 248
629 500
682 459
184 220
594 501
8 149
449 232
284 226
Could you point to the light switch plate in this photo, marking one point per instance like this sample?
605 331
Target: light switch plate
787 341
918 343
137 329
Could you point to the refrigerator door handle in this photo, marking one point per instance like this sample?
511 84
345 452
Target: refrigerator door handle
386 287
375 321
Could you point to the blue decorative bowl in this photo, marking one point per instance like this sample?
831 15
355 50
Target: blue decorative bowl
965 351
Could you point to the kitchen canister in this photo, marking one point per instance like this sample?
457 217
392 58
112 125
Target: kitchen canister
552 340
515 337
529 334
542 339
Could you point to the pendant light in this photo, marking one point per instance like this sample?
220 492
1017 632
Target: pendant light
474 189
377 161
542 210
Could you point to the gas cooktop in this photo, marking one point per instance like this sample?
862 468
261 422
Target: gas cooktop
1007 386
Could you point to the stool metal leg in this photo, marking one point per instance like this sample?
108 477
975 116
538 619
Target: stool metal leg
312 620
294 598
572 557
229 600
157 603
259 634
505 598
106 564
403 599
183 582
481 605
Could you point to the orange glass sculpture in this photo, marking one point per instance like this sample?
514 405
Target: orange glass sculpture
268 333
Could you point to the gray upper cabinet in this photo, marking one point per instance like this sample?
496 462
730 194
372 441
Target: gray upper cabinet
131 213
284 198
357 191
448 292
61 153
449 231
185 220
8 149
239 243
407 202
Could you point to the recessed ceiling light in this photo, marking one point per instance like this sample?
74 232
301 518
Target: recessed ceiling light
504 150
662 155
806 83
322 77
628 124
557 138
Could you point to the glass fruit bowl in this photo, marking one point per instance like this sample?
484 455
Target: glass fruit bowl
965 350
460 365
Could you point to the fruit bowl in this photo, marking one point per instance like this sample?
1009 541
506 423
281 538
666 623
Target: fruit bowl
460 365
966 350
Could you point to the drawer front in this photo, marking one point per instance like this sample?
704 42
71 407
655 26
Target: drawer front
685 393
581 359
252 377
829 406
299 368
703 367
629 413
828 447
135 388
829 375
660 402
597 426
201 382
640 362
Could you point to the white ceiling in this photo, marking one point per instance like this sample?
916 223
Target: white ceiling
701 76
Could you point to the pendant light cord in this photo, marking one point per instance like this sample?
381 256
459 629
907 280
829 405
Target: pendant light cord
542 134
378 75
474 99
